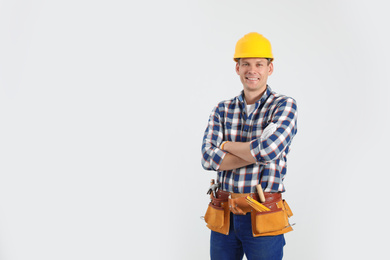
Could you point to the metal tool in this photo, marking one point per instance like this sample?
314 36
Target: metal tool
213 188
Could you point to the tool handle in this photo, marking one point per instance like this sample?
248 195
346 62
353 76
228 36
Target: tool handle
260 192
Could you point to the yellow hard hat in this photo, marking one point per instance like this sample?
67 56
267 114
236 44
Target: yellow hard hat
253 45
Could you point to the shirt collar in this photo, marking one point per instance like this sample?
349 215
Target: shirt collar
263 98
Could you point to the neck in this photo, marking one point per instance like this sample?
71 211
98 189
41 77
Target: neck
252 97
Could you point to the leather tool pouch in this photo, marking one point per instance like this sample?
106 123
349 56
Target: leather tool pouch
267 223
274 222
217 215
239 206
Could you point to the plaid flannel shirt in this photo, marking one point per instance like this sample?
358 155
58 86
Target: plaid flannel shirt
230 122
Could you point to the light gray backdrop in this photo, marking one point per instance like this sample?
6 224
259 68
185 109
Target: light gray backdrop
103 105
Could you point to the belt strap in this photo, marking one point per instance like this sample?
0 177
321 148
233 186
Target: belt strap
269 197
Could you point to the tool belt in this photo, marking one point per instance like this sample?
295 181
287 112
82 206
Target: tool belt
266 223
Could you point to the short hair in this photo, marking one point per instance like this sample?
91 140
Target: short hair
268 59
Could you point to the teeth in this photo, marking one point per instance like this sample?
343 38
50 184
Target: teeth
252 78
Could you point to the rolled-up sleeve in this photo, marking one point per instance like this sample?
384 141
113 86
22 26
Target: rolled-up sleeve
212 156
285 118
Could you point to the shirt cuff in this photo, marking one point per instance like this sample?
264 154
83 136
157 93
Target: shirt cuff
255 151
218 154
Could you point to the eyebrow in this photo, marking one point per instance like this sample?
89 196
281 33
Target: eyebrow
262 60
257 62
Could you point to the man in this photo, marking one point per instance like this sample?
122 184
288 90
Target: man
246 142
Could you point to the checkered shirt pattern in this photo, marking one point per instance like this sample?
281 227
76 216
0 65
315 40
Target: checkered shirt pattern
230 122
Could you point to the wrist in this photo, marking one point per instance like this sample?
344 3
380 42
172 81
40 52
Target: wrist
223 145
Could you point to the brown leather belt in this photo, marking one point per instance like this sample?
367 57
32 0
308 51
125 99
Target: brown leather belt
238 203
269 197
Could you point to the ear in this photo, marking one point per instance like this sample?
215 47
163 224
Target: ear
237 68
270 69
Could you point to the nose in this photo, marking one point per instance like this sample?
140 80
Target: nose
252 69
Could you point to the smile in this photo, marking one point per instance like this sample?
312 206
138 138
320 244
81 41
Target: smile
251 79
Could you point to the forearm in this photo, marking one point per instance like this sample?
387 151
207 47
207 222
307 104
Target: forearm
231 162
241 150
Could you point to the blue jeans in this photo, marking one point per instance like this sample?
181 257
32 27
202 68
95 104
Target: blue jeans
240 240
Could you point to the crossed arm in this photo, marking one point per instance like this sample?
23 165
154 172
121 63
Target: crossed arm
260 150
238 156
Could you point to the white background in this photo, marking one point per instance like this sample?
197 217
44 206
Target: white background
103 105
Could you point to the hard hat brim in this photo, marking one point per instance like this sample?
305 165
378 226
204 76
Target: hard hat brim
236 58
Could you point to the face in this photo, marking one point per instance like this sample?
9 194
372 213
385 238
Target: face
254 73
